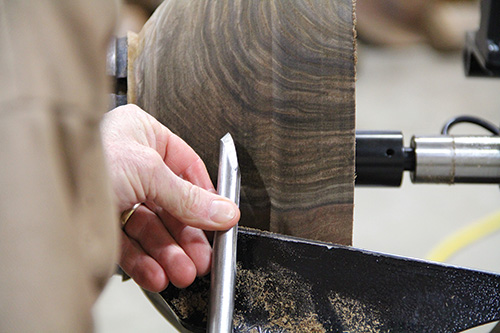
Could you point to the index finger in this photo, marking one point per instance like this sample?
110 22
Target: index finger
185 162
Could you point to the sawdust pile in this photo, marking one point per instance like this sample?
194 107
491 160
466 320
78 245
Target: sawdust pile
274 300
193 301
354 315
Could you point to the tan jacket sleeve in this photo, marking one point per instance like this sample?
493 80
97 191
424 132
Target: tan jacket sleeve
58 228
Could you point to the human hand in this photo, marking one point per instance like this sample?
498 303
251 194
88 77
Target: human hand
163 241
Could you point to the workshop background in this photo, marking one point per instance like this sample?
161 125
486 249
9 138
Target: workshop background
409 78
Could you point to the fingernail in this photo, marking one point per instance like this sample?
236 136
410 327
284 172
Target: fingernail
222 211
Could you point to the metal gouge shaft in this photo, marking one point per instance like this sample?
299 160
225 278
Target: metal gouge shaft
223 275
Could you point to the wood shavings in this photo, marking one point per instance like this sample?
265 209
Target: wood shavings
277 295
355 315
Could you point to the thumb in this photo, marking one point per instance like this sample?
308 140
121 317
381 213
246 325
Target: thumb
191 204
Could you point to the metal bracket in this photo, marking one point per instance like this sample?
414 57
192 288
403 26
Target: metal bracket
482 48
116 68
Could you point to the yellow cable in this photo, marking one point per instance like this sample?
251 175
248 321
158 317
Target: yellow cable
465 237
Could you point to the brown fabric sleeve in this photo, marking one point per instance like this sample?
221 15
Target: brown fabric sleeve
58 229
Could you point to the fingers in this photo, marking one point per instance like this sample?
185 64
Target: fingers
145 271
184 162
147 161
129 123
181 252
194 241
191 204
152 164
197 174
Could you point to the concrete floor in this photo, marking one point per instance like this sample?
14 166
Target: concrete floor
414 90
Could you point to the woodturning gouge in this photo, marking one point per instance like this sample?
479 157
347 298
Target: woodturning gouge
286 284
223 274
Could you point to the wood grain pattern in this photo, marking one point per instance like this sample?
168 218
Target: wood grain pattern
279 76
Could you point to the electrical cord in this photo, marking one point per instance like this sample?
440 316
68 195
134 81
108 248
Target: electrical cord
495 130
477 230
467 236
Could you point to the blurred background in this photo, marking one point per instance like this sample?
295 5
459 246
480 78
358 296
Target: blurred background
409 78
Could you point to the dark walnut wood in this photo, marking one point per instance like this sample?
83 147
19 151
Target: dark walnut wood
279 76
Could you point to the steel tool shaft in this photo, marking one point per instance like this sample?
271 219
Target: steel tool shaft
223 275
